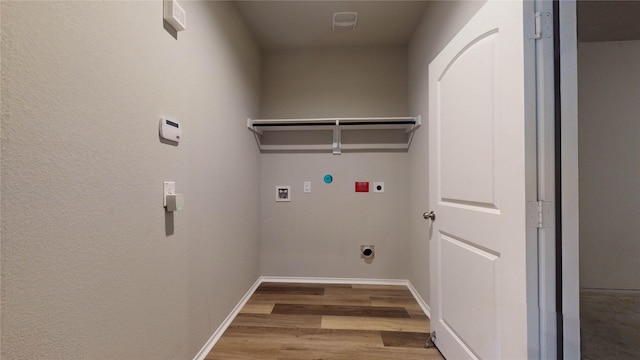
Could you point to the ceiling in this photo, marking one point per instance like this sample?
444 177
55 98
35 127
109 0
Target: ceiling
307 23
608 20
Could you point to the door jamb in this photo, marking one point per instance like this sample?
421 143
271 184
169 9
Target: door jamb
547 192
569 194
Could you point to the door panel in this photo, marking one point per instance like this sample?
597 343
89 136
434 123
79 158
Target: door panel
479 188
475 280
466 138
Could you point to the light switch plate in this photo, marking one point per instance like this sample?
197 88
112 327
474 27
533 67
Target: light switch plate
169 189
307 186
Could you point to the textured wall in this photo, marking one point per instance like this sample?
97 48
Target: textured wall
349 82
609 129
90 266
441 22
320 233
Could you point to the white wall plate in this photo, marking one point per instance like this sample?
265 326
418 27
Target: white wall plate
378 187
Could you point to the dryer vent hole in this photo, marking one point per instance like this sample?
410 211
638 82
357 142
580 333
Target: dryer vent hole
367 252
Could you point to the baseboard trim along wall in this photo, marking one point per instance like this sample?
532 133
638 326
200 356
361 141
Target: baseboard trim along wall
425 307
610 292
326 280
313 280
225 324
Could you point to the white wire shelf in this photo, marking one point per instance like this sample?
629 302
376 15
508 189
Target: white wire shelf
376 128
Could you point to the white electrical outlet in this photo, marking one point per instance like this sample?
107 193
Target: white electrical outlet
307 186
378 187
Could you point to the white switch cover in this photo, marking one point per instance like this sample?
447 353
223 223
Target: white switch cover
307 186
169 189
378 187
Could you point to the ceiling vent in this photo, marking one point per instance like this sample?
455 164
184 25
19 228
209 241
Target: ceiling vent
345 20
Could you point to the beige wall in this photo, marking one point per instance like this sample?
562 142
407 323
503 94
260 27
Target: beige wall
608 20
347 82
609 130
319 234
88 270
441 21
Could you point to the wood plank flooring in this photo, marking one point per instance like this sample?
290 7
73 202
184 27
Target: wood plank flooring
287 321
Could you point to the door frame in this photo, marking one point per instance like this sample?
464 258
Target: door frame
546 98
568 167
558 162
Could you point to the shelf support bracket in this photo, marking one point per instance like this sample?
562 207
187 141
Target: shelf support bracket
418 120
253 128
256 132
337 141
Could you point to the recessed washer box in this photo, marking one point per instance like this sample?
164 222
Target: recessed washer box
283 193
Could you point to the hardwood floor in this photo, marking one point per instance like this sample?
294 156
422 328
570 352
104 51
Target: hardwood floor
287 321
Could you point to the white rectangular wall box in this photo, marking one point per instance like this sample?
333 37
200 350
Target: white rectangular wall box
175 202
307 186
175 15
170 130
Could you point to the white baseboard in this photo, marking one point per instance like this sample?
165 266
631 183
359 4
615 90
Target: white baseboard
425 307
312 280
610 292
326 280
225 324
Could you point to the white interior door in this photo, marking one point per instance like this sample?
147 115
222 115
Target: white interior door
481 133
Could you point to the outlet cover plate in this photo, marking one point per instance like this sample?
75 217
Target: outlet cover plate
378 187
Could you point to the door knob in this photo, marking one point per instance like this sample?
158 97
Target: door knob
431 215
